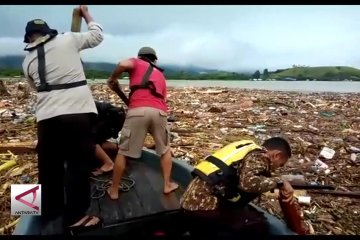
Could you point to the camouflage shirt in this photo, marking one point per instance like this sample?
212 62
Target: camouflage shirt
253 178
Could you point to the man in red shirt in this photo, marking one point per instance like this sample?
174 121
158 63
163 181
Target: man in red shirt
147 113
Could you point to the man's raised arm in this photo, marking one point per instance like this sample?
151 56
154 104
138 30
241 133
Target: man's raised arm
93 37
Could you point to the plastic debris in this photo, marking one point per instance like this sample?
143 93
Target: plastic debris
294 178
327 153
354 149
25 179
320 165
304 200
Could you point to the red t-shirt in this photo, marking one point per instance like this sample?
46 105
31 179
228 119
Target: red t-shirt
143 97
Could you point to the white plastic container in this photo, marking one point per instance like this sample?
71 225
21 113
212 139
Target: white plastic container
327 153
305 200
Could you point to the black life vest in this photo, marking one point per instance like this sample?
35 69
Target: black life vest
44 86
146 82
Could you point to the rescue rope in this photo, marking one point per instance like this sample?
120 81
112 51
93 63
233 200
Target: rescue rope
102 184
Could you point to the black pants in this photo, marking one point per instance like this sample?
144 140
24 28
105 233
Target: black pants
65 139
229 222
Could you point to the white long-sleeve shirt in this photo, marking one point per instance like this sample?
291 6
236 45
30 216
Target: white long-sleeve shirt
63 65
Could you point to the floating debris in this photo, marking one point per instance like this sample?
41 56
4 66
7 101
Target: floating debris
209 118
327 153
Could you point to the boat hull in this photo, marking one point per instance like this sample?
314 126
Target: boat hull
181 173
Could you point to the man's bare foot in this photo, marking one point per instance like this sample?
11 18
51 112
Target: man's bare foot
94 220
86 221
168 188
113 193
107 167
97 172
78 223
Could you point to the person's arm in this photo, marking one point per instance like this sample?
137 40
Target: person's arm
251 178
25 67
124 66
93 37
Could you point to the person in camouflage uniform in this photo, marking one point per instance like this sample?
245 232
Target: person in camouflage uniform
201 204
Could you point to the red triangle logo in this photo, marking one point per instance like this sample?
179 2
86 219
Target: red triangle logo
29 204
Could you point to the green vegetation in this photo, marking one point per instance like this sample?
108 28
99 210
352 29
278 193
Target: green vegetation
256 75
11 72
10 66
338 73
266 74
298 73
181 75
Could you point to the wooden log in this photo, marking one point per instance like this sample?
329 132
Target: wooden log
338 193
76 20
18 148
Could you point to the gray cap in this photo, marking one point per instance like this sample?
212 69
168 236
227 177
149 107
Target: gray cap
147 50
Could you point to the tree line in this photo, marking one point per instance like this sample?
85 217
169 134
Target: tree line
181 75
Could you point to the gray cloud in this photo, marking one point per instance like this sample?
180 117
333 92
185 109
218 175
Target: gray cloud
226 37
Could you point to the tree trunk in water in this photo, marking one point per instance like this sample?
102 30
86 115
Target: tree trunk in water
3 90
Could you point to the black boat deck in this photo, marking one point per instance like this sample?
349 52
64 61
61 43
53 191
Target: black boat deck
145 200
144 209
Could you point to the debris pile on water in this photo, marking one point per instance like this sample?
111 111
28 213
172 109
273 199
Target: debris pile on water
323 129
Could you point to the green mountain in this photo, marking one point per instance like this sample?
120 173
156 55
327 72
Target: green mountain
337 73
11 66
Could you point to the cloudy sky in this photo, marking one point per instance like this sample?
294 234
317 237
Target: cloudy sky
223 37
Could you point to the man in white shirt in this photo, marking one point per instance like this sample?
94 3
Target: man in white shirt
65 113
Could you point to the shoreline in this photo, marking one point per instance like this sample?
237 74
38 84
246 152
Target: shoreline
126 87
303 87
211 80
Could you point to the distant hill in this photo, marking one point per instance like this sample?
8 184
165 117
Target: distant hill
15 62
319 73
12 62
11 66
169 69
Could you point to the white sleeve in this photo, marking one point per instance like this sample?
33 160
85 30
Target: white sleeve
92 38
29 79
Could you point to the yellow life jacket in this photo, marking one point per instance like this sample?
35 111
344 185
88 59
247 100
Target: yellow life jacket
220 168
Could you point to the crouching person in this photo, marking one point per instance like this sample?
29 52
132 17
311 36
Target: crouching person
216 201
108 124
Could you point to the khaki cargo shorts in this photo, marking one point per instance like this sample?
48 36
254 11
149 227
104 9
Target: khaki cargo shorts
139 122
